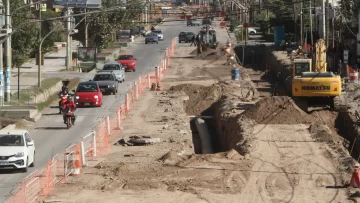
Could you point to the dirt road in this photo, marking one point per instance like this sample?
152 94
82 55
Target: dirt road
289 161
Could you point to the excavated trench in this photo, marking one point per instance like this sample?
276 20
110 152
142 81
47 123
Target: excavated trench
200 105
277 69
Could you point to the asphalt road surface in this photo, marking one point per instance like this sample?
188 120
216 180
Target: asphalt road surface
49 133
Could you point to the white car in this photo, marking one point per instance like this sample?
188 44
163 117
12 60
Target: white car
251 31
17 150
160 34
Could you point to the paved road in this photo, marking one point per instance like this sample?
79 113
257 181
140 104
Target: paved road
50 134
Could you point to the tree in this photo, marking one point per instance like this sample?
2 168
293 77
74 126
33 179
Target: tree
276 13
24 39
102 26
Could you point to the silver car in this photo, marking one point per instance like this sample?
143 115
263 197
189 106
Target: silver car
116 68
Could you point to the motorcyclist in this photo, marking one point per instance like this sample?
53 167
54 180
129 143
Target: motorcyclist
152 28
69 106
64 92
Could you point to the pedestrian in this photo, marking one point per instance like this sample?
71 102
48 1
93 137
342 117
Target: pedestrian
193 42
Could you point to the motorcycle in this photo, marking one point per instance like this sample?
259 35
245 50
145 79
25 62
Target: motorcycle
63 99
69 119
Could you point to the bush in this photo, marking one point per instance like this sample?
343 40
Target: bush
233 25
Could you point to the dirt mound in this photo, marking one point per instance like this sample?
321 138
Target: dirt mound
277 110
200 97
7 121
171 158
212 54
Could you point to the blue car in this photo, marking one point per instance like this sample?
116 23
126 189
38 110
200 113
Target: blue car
152 38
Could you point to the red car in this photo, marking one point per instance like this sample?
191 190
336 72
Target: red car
128 61
88 94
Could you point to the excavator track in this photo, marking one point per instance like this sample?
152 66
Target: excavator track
309 104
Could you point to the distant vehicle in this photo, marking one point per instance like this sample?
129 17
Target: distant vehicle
106 81
185 37
151 38
88 94
206 21
128 61
160 34
17 150
251 31
193 22
117 68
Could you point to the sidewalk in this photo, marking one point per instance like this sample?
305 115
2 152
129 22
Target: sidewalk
53 62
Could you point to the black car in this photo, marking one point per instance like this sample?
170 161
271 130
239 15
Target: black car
107 81
185 37
206 21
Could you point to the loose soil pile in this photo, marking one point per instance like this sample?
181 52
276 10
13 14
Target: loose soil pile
7 121
278 110
200 97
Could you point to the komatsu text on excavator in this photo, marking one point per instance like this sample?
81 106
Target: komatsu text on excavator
318 87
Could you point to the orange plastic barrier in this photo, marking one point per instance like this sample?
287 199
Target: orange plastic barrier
40 184
102 146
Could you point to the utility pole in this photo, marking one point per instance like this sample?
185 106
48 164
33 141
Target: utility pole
39 53
301 24
358 37
327 22
7 52
68 27
323 23
86 28
2 18
311 18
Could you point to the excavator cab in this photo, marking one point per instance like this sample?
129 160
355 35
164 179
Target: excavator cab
301 66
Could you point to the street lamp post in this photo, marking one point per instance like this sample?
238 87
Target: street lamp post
39 53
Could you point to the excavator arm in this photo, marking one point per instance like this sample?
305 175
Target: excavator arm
320 56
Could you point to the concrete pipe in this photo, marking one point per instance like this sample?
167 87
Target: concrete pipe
205 137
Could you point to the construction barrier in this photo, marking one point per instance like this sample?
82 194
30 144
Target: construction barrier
42 183
353 75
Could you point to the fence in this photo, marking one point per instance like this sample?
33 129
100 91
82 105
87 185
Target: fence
42 183
26 95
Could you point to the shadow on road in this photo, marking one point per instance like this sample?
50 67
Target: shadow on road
50 114
10 171
51 128
54 57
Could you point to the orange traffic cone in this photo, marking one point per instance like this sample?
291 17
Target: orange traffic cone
355 179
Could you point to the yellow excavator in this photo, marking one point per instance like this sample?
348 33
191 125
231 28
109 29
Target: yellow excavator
318 87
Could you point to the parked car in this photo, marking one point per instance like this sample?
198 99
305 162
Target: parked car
88 94
17 150
193 22
160 34
117 68
106 81
185 37
251 31
128 61
151 38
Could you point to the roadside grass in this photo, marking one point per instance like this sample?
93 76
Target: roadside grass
27 95
72 84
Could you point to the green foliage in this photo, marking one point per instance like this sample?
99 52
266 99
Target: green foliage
263 20
25 39
102 27
233 25
276 13
46 26
239 35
